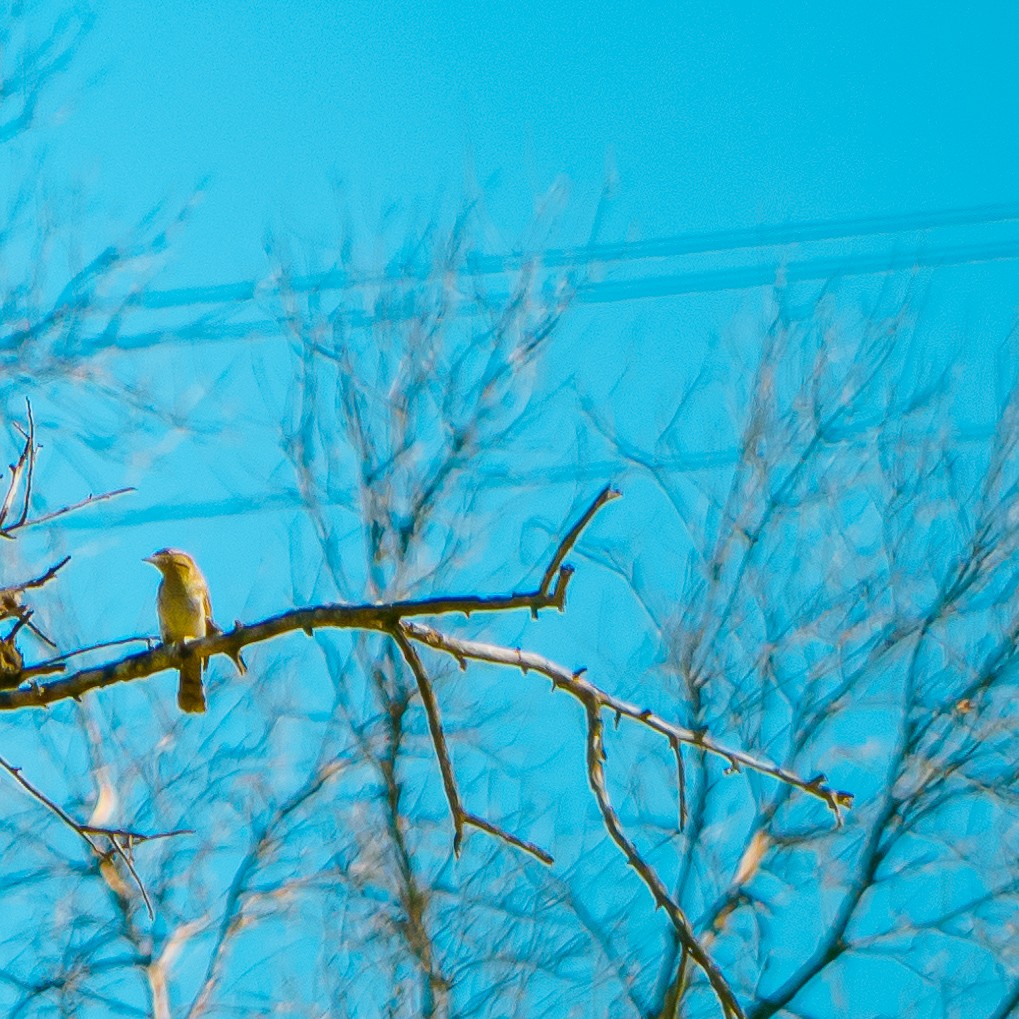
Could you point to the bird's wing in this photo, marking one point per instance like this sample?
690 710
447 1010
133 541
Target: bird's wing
210 624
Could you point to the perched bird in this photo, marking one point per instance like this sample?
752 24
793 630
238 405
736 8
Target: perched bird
185 611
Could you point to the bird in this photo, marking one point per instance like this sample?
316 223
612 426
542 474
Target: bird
184 610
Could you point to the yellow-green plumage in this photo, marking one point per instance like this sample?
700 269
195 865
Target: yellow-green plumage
185 613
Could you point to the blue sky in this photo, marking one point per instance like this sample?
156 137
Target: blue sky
323 120
711 116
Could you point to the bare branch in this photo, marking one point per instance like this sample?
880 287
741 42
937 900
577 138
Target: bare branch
90 500
574 683
460 816
8 593
607 494
379 617
122 841
55 664
596 779
24 468
25 464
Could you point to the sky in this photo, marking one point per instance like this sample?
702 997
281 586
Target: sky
312 120
706 117
314 123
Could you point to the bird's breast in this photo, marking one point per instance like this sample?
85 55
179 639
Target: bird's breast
181 612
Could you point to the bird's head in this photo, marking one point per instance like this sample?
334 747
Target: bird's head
172 562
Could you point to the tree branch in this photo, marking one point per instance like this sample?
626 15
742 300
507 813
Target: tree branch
461 817
380 617
596 779
122 841
575 684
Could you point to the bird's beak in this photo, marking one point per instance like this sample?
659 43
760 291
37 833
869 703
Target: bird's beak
151 559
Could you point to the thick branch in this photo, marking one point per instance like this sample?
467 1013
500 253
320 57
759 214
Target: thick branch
147 663
384 618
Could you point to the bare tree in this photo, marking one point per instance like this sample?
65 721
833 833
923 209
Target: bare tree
421 401
397 812
848 604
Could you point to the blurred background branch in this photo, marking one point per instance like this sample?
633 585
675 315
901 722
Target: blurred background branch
814 577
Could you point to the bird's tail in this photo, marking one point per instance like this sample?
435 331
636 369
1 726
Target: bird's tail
190 692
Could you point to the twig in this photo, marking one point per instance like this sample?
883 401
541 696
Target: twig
47 517
26 619
9 604
30 445
134 838
677 750
460 816
607 494
53 664
25 468
493 829
27 458
49 804
121 840
688 940
431 706
45 578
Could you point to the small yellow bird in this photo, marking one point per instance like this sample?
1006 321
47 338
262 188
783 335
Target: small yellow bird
184 610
